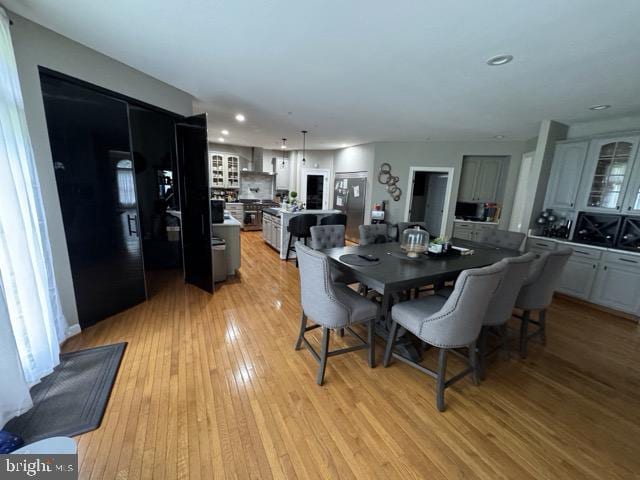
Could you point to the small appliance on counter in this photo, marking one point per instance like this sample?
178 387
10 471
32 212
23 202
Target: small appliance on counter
597 229
217 211
550 225
378 213
468 211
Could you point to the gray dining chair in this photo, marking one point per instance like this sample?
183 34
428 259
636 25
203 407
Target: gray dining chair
536 293
331 236
331 306
500 309
448 323
501 238
376 233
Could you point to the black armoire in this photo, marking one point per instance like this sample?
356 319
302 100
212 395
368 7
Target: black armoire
118 163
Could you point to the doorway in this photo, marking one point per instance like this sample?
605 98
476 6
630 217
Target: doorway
314 185
429 194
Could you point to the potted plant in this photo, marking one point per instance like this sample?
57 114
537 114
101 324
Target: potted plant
437 245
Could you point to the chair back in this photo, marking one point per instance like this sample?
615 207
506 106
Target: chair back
501 238
300 225
376 233
545 273
459 321
317 295
402 226
334 219
501 306
327 236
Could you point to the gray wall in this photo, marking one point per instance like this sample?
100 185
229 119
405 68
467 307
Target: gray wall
403 155
35 45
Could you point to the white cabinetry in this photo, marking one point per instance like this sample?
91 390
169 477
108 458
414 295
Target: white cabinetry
225 170
479 180
566 172
470 230
271 227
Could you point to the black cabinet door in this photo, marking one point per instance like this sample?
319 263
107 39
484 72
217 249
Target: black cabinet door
95 175
193 181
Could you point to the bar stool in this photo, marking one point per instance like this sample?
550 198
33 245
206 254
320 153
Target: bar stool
300 227
334 219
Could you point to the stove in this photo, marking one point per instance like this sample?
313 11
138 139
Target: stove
252 212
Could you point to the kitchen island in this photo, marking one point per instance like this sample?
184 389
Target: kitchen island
274 227
229 231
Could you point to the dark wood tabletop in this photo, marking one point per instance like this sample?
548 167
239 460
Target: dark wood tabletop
394 274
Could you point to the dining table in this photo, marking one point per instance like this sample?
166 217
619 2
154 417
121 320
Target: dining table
386 269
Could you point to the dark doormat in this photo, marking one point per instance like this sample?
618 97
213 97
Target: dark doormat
73 398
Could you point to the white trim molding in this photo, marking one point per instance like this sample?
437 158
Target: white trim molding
447 200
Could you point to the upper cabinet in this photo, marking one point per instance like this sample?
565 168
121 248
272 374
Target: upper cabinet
479 179
632 197
225 170
566 171
608 172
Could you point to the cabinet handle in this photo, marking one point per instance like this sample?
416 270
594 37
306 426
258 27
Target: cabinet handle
594 265
571 204
627 260
617 207
542 244
605 267
580 251
629 207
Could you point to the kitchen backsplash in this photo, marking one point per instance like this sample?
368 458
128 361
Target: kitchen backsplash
256 186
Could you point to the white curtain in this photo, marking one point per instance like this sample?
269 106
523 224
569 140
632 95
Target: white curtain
126 187
26 272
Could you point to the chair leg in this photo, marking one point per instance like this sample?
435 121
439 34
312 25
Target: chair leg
391 340
524 333
341 332
542 319
326 332
482 353
440 386
288 248
371 340
473 363
303 326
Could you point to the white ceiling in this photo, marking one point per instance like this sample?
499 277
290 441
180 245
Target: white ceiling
355 71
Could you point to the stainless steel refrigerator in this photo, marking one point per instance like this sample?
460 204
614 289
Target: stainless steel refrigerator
350 191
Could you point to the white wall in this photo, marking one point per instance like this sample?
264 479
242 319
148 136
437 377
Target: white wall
403 155
35 45
597 127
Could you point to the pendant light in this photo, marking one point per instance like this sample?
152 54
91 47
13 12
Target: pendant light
304 146
284 147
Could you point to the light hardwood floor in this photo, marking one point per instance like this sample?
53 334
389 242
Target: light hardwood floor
211 387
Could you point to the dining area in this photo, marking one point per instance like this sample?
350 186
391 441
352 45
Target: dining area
460 300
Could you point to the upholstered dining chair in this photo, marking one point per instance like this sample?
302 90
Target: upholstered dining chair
536 293
331 307
375 233
501 238
448 323
331 236
500 309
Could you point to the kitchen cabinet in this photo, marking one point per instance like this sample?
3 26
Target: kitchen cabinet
539 246
470 230
479 180
632 197
617 283
225 170
608 169
580 272
566 173
271 228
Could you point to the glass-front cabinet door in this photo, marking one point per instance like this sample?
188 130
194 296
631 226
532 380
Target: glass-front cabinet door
632 197
611 161
217 170
233 164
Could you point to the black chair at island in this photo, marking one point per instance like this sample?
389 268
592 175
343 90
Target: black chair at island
300 227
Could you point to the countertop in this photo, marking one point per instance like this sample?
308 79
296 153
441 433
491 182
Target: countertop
584 245
459 220
278 211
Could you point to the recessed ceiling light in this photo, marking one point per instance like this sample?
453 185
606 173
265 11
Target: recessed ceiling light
499 60
221 139
224 132
599 107
343 145
240 117
283 146
499 137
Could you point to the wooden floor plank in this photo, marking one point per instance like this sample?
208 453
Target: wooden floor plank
211 387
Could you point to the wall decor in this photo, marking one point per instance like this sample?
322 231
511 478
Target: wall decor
386 178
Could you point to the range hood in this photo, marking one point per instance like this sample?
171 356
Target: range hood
256 159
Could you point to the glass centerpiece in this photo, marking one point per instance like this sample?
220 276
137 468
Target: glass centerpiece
415 241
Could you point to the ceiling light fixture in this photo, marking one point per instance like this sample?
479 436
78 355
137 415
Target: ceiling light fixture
221 139
499 137
224 132
283 147
240 117
343 145
304 146
599 107
499 60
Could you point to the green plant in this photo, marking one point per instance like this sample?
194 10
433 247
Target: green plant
440 241
293 194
